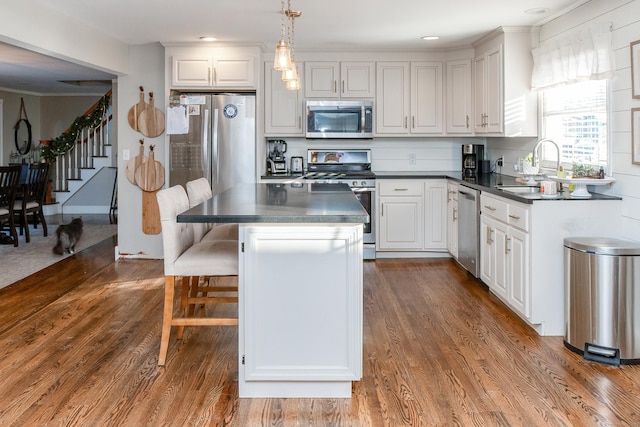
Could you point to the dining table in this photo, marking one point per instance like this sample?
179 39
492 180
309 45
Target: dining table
300 286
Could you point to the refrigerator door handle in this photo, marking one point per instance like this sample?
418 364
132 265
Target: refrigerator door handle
215 159
206 160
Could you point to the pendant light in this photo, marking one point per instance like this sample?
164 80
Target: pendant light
290 77
282 60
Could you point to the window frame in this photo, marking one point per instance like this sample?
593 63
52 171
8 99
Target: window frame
550 164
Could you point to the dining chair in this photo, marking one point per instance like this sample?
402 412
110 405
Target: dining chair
31 199
199 191
189 262
9 178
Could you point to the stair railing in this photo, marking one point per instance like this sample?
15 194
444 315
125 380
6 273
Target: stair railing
91 142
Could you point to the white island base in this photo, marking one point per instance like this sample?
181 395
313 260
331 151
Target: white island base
300 310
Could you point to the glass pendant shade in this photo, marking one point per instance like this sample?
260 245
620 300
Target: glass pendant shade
293 84
282 60
291 74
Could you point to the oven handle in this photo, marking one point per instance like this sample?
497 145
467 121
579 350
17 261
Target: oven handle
362 189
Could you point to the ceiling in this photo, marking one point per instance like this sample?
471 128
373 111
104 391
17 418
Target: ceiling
325 25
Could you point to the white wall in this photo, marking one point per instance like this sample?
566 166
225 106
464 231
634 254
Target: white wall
10 115
146 69
624 16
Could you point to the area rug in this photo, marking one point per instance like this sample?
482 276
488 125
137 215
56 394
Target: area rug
28 258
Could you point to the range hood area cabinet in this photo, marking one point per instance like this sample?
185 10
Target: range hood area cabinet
409 98
283 109
212 68
504 104
331 79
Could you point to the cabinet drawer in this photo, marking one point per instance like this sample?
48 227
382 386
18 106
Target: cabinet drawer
405 187
519 216
494 207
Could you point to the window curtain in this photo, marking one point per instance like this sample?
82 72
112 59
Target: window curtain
585 54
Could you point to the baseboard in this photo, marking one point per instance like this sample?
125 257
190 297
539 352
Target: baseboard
78 210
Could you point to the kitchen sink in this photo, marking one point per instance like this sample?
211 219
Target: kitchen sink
519 189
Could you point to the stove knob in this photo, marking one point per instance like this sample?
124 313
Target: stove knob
354 183
363 183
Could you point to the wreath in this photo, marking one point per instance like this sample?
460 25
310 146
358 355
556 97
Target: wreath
67 140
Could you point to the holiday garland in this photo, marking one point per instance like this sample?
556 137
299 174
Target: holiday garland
67 140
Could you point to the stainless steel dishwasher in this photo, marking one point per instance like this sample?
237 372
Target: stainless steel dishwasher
468 229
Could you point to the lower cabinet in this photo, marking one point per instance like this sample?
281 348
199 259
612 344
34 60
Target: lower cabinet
412 215
505 250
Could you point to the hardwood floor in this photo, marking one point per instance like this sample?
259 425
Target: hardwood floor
80 345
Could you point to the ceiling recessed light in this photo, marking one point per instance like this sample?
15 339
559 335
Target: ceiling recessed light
430 37
536 11
207 39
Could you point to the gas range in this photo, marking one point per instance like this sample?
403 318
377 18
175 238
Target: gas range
351 167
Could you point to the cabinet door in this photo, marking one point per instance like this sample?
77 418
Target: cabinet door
392 98
518 279
304 323
479 94
237 72
191 72
426 97
459 97
321 79
283 108
501 262
494 103
401 220
435 214
487 250
357 79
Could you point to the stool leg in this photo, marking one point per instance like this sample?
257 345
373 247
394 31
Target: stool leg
184 297
169 283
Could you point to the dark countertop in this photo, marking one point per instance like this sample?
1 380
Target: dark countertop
280 203
487 183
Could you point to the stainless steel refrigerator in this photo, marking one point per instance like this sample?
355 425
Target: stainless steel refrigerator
217 139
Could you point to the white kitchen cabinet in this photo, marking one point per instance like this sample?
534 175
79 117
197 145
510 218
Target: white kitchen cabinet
212 68
283 110
412 215
459 95
504 251
452 219
300 331
401 213
409 98
488 92
504 104
326 79
435 218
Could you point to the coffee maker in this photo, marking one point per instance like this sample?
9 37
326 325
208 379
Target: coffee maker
276 162
473 160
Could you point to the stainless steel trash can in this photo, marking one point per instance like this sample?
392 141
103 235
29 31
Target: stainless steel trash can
602 298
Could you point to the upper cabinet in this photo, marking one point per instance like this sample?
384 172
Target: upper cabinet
504 104
283 108
211 68
409 98
328 79
459 105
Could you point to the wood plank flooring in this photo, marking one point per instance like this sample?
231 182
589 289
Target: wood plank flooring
80 344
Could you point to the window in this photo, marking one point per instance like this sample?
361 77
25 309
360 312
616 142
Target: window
574 116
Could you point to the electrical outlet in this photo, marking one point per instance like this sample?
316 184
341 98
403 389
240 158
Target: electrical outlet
126 154
412 159
500 161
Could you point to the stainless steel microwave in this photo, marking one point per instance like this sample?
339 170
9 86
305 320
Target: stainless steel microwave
339 119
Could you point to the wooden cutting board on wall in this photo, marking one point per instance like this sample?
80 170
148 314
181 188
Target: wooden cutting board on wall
150 178
151 120
136 110
135 163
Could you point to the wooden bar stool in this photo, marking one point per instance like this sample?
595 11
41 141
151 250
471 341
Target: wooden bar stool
191 264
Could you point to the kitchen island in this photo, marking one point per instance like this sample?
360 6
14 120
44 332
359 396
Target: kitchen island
300 286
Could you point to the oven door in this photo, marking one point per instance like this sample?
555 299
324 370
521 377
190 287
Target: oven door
366 196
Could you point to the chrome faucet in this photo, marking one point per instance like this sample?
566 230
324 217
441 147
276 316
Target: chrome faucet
535 157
